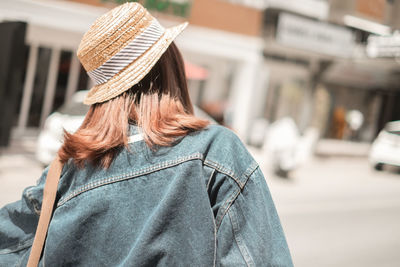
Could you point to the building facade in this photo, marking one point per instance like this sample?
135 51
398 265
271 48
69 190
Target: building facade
304 59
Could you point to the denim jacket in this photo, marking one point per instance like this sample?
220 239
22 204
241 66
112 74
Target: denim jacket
201 202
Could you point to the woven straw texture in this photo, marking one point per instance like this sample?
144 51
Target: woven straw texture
109 34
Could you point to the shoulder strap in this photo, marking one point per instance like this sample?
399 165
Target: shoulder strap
49 196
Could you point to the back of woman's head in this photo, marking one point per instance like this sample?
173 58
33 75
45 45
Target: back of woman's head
159 105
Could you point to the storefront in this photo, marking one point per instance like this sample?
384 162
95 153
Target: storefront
319 76
227 45
298 64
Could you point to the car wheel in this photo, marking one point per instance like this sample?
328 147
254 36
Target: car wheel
378 166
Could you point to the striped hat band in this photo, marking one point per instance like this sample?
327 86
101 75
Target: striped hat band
120 49
128 54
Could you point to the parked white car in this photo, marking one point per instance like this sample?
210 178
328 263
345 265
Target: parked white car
385 150
70 117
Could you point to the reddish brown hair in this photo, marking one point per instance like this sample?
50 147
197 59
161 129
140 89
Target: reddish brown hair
159 105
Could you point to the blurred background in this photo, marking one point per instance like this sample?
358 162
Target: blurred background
312 87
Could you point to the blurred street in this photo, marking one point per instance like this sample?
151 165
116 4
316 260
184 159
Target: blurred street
340 212
336 211
18 168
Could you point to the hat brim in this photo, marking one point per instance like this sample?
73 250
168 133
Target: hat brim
134 72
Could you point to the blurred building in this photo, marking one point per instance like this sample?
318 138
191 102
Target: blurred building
319 68
222 37
307 59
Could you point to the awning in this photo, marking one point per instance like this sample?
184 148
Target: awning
194 72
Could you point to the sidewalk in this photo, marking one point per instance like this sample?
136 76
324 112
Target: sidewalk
18 166
341 148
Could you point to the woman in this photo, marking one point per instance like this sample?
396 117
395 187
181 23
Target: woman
145 182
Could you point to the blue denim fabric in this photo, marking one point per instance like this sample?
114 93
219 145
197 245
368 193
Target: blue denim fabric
201 202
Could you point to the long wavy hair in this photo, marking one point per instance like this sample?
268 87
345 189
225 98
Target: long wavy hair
159 105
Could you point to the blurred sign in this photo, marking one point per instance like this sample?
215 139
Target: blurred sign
372 8
226 16
302 33
384 46
312 8
258 4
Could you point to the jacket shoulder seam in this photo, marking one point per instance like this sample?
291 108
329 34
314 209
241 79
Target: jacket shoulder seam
225 207
231 199
240 180
218 167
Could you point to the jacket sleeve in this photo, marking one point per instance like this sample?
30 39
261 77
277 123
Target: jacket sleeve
18 222
250 233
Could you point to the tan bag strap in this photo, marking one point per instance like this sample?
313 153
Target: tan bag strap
49 196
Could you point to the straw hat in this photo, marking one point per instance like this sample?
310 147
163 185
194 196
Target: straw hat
120 48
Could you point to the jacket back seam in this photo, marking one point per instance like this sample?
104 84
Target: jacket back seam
128 175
